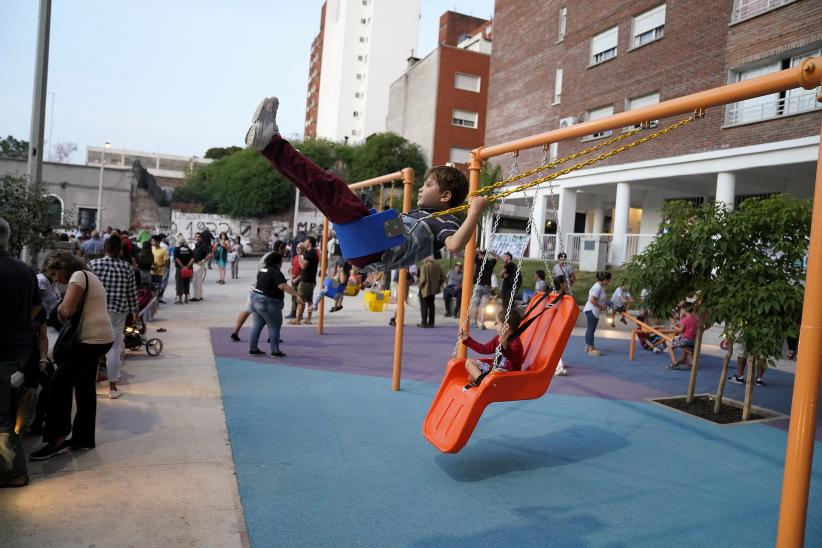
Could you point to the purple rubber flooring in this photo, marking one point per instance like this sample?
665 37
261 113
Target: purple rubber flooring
369 351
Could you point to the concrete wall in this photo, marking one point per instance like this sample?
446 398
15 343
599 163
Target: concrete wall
412 104
76 187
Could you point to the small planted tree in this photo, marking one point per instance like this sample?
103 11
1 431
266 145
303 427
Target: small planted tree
757 290
745 268
681 262
30 213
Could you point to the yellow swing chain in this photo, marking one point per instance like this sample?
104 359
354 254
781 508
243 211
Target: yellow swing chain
575 167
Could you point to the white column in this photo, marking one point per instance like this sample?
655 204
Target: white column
538 226
566 215
726 189
621 211
599 216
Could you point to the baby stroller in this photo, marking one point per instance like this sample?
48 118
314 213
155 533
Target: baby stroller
134 339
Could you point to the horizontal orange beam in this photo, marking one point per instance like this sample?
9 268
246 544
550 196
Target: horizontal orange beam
382 179
807 75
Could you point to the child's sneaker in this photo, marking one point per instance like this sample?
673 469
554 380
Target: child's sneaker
561 372
736 379
657 350
263 124
759 381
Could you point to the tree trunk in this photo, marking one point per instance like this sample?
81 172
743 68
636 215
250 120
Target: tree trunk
695 365
749 381
720 390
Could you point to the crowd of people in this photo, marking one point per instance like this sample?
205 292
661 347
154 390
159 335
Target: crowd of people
90 289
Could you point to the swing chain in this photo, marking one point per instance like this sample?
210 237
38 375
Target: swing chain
547 164
578 166
514 168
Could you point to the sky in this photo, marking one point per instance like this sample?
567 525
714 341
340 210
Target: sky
175 77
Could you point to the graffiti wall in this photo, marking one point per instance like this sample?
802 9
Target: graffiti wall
188 224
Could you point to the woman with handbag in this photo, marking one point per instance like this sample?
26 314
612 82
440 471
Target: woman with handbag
85 337
183 260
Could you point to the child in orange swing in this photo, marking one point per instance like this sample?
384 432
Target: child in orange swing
512 352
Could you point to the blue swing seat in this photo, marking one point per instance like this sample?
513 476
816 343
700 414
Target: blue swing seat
332 289
371 234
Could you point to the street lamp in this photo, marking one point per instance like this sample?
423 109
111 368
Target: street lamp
99 222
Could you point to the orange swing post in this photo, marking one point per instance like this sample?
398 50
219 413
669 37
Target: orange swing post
406 175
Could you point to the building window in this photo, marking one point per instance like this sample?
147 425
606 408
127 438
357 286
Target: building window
553 152
648 26
775 105
364 2
363 21
745 9
557 86
464 118
358 95
563 18
359 57
459 155
468 82
598 114
87 217
363 39
356 114
360 76
639 102
604 46
54 213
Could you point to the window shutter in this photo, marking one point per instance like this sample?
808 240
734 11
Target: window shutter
605 41
649 20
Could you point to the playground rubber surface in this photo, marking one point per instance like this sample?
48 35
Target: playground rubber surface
327 455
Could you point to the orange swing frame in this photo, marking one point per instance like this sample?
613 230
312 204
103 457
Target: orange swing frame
805 403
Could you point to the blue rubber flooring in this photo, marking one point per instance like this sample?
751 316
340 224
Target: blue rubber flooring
328 458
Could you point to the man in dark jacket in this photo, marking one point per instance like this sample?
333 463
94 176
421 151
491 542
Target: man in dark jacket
21 303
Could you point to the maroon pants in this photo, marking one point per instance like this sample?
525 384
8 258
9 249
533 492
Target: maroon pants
325 190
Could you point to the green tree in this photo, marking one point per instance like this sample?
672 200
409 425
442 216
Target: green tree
29 212
14 148
757 291
385 153
744 266
215 153
243 184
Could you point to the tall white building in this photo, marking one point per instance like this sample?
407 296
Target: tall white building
366 44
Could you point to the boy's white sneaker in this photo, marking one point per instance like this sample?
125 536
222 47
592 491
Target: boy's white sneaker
263 124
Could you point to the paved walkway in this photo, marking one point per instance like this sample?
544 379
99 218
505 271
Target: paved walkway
162 473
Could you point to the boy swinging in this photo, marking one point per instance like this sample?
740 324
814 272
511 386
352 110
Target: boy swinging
444 187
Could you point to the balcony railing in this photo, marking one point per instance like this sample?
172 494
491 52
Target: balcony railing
634 244
745 9
740 113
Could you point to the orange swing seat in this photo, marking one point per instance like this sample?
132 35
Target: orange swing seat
454 413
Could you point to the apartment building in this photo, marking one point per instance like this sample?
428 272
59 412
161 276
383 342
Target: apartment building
586 60
439 102
364 47
314 72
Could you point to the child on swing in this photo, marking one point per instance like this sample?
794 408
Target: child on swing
339 282
512 352
444 187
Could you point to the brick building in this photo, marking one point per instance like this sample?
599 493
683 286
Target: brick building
314 71
439 102
562 62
